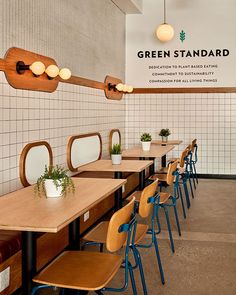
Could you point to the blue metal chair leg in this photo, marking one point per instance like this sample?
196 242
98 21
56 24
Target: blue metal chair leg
159 260
139 263
192 175
176 217
158 221
191 187
131 273
169 229
195 172
182 201
35 289
186 192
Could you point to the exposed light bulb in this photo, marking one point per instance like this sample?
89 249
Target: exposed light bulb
65 74
52 71
130 89
119 87
125 88
37 68
165 32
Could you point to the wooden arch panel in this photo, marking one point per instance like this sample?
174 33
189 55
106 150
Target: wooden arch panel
33 159
114 138
83 149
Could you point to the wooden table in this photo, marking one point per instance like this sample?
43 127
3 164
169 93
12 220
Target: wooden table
164 143
156 151
125 166
23 211
169 142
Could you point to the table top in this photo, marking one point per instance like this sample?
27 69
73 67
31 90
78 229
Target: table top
169 142
156 151
24 211
124 166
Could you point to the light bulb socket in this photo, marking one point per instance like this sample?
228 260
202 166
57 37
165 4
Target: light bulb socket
111 87
21 67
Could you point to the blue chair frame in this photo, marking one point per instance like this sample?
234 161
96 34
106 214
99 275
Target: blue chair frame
129 228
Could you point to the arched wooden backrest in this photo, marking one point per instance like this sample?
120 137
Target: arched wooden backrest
114 138
83 149
115 239
145 208
33 159
194 142
171 169
182 157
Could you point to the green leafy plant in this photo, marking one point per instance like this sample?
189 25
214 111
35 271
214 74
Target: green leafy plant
60 178
146 137
164 132
116 149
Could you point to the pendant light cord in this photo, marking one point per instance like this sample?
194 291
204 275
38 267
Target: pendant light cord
164 11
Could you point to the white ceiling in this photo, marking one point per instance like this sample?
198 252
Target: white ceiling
129 6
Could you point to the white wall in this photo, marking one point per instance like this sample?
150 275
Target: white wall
86 36
211 118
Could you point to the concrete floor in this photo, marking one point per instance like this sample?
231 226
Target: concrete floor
204 262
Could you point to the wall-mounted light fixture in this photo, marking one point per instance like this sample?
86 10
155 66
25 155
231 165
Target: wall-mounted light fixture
120 87
37 67
165 32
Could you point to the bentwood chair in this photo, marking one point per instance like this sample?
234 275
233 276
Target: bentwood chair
92 271
168 199
147 203
194 159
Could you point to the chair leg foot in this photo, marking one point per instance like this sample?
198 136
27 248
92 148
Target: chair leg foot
159 260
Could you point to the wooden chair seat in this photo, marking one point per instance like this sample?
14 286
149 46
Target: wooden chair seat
164 197
136 194
99 233
160 177
73 269
162 170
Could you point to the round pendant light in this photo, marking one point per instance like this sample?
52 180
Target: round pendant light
165 32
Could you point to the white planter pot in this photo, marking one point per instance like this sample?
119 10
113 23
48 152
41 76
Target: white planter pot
51 190
116 159
146 145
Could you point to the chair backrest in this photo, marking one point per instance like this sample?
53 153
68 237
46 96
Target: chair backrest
114 138
145 208
33 159
115 239
184 154
171 169
83 149
193 145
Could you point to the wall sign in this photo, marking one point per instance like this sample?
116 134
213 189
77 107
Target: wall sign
201 53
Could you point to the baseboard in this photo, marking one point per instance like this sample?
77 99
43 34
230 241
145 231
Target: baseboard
217 176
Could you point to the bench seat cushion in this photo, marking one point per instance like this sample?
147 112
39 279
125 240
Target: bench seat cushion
10 244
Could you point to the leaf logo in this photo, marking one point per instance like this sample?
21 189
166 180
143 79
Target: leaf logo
182 36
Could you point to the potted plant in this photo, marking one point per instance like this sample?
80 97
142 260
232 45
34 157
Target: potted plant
116 154
54 182
146 141
164 133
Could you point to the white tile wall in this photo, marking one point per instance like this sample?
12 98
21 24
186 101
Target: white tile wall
211 118
27 116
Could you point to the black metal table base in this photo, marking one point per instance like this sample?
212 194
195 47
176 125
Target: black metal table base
118 193
29 253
